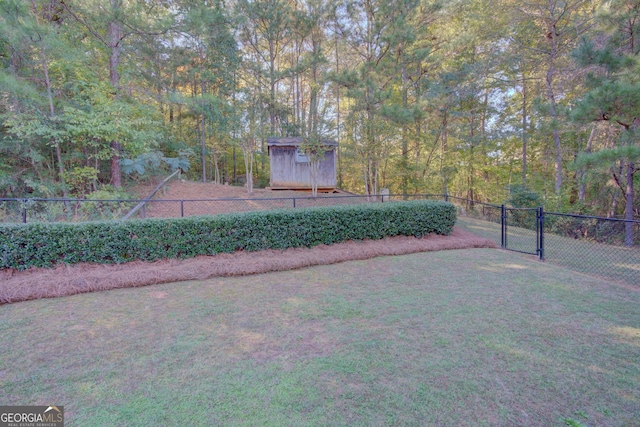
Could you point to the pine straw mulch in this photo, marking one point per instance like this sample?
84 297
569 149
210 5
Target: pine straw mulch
65 280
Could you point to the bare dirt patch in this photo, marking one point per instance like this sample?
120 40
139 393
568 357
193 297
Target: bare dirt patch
68 280
200 190
200 198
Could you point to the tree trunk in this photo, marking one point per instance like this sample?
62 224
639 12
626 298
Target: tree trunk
314 168
115 36
628 209
551 71
365 180
272 86
376 169
216 167
616 197
443 146
52 113
404 184
339 149
14 65
524 129
582 185
471 173
203 149
248 168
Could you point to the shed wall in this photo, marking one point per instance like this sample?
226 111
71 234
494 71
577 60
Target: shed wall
287 173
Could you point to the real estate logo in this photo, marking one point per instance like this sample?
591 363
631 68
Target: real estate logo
31 416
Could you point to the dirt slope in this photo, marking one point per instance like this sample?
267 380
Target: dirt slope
195 195
186 190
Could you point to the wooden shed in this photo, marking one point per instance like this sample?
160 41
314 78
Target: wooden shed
290 166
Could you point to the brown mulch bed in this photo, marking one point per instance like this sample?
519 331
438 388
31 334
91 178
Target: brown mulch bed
68 280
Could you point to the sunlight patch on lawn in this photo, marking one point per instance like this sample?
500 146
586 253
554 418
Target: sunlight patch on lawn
627 396
479 228
597 369
522 354
628 334
248 341
497 268
295 301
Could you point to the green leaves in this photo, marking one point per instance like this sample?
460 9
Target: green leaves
103 119
605 158
80 179
153 160
46 245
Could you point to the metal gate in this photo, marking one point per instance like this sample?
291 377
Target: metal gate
522 230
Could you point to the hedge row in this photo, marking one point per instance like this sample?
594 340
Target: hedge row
45 245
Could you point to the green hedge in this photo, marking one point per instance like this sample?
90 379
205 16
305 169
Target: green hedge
46 245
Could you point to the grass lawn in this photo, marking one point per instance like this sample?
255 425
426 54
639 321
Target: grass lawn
452 338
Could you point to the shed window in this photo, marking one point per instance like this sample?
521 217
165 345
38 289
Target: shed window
300 156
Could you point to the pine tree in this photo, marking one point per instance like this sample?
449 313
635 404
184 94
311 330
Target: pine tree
612 61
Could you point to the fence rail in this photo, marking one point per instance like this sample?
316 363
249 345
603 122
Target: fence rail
82 210
594 245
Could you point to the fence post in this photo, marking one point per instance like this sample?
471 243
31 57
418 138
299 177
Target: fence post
181 208
446 197
143 212
294 202
24 211
503 231
540 227
384 194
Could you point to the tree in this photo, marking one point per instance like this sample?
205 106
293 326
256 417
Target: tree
367 28
205 29
548 30
612 59
111 23
311 79
265 34
30 36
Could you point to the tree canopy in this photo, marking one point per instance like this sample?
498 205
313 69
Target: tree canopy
469 97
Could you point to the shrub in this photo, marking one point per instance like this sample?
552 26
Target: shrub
522 197
93 209
44 245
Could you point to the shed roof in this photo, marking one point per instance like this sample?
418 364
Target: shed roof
293 141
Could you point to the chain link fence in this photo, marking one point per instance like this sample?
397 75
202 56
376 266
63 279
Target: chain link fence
62 210
82 210
591 245
488 216
521 231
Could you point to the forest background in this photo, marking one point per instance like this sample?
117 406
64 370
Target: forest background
536 102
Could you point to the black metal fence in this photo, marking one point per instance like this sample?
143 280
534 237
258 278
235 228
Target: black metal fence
82 210
593 245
